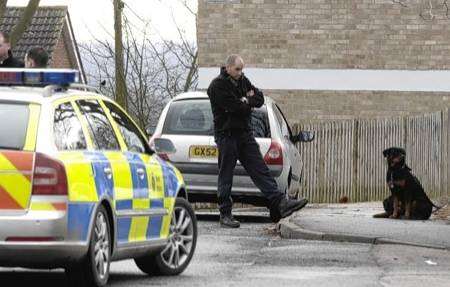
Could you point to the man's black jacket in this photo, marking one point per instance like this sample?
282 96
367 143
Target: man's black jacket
11 62
230 112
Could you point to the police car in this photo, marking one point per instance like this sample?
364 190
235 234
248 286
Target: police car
79 185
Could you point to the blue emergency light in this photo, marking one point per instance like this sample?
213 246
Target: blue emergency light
38 77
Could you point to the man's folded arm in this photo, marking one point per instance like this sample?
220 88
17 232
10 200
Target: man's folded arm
230 103
257 100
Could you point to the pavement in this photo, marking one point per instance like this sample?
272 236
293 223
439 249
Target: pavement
354 223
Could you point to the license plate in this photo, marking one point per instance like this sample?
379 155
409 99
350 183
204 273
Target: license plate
203 151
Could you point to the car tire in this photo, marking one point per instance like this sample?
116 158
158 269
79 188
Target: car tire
93 269
176 255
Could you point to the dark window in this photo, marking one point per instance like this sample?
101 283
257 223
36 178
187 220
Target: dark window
189 117
99 126
259 123
13 134
67 129
133 138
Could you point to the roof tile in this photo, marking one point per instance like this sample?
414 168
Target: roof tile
44 30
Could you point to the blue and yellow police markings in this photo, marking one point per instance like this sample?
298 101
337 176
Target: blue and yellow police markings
103 175
172 181
118 176
83 194
123 184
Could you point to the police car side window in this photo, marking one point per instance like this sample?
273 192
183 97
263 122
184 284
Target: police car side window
134 140
67 130
100 128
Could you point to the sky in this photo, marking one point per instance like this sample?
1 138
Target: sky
94 18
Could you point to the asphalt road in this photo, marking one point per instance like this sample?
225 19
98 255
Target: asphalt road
254 255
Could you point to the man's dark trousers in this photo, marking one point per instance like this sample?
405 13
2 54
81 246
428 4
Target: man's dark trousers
241 145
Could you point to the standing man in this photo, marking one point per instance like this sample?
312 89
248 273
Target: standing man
232 98
36 58
7 59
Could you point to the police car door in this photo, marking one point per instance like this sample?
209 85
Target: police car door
148 189
110 167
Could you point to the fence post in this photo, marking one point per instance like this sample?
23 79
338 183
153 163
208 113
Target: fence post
405 132
355 143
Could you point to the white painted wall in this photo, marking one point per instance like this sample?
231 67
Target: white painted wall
340 80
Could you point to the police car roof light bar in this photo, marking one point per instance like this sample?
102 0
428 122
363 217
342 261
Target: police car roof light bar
38 77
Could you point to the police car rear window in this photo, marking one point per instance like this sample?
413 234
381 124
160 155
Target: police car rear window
13 125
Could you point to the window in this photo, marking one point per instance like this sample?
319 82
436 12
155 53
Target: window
103 136
133 138
189 117
67 129
259 123
13 134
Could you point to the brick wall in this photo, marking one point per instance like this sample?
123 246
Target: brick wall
365 34
324 105
60 57
331 34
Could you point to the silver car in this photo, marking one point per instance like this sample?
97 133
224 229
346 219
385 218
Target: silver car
187 121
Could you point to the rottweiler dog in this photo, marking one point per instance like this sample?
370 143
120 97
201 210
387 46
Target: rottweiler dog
408 199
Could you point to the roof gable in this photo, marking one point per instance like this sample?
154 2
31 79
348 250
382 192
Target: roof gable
44 30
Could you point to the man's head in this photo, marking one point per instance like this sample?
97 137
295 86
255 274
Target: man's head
395 156
36 58
234 66
5 46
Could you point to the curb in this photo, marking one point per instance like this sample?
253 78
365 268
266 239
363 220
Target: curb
290 230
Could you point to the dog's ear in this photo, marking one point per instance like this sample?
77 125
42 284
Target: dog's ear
387 152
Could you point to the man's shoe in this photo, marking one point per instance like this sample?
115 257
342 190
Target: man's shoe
275 215
381 215
289 206
228 221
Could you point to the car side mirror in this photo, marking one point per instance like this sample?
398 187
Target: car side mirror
303 136
162 145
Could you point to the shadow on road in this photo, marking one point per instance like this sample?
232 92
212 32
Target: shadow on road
32 278
58 279
247 218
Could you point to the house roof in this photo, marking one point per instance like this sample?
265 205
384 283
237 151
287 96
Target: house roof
44 30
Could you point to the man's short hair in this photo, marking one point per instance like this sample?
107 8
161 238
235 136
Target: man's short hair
39 56
6 37
231 60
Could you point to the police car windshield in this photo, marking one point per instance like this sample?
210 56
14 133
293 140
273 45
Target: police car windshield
13 125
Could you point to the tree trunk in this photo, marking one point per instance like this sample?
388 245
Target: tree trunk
192 71
121 88
25 20
2 9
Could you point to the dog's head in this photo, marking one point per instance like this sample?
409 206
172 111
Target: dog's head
395 156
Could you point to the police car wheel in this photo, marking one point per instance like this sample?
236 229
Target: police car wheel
93 270
180 248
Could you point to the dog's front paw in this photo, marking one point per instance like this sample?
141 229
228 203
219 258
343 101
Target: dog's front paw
394 216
